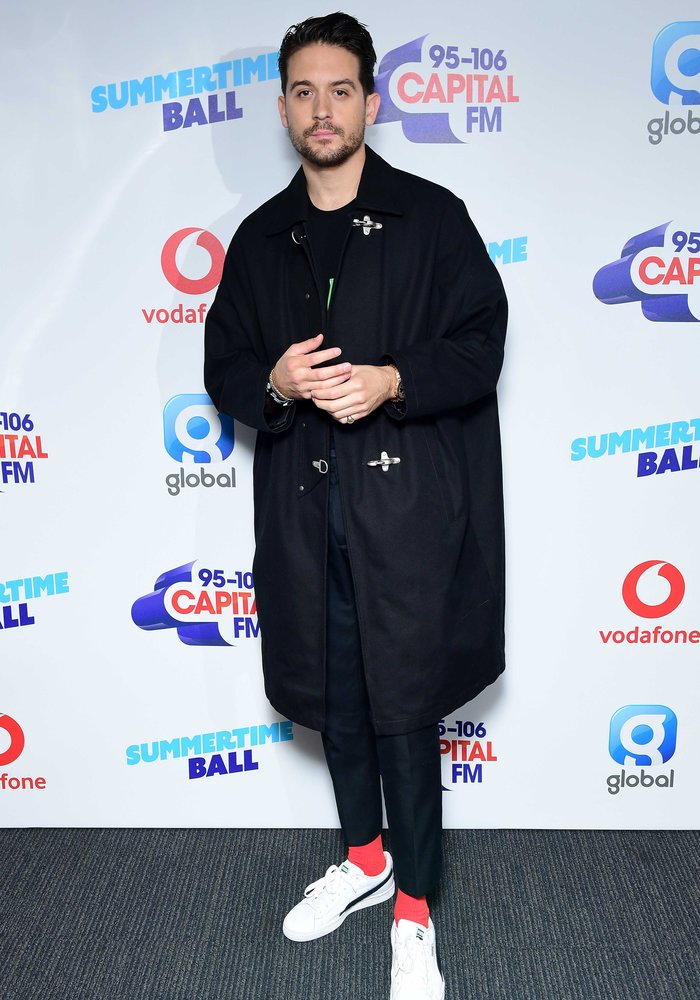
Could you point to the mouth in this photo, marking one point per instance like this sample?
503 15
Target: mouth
322 133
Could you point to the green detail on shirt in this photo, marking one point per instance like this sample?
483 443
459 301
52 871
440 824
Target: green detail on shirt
330 291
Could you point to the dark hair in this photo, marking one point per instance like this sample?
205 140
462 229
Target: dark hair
338 29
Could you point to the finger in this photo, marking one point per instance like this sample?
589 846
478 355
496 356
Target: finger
318 357
322 387
336 390
332 372
340 407
304 346
350 411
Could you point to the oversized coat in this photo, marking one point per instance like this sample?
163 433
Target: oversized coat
425 534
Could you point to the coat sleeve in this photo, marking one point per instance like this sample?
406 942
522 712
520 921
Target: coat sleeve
460 359
236 368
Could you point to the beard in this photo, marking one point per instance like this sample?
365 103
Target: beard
322 156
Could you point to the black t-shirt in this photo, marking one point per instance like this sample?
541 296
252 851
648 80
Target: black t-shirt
327 234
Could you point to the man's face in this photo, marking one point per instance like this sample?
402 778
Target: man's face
324 109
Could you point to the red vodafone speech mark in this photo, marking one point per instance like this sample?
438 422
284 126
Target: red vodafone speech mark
669 573
193 286
16 740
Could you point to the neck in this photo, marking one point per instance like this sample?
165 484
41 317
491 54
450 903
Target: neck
333 187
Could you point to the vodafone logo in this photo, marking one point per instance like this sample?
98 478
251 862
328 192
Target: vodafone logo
14 731
193 286
652 589
668 572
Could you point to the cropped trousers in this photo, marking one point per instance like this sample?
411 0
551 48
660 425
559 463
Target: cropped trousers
361 763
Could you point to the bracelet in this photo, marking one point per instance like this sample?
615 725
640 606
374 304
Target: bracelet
276 395
399 395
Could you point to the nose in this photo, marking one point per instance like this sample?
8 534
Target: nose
322 107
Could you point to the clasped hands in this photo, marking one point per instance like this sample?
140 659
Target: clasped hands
343 390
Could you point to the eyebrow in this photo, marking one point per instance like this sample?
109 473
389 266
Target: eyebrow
334 83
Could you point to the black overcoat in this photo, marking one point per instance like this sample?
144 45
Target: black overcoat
425 535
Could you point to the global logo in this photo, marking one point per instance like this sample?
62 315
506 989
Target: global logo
660 269
13 730
675 63
445 93
215 263
652 589
675 78
195 433
642 736
206 607
666 571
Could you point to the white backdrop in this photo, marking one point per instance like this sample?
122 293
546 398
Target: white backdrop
115 472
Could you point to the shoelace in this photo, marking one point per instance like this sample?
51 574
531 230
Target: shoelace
412 953
330 882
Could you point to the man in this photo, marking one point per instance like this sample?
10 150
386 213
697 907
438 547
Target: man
359 326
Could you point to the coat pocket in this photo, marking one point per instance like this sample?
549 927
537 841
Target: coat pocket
448 474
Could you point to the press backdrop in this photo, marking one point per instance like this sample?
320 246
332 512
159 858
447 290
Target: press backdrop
137 137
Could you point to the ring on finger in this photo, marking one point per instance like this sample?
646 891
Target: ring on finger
349 420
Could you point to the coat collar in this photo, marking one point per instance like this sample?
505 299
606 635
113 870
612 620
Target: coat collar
379 191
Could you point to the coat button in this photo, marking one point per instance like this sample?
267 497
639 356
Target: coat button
307 296
301 489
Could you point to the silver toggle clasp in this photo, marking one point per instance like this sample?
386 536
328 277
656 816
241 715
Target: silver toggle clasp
384 461
321 465
367 224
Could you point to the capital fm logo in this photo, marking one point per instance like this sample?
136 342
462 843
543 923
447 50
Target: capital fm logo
205 607
446 93
469 747
11 747
642 736
651 590
196 434
675 79
660 269
20 448
192 261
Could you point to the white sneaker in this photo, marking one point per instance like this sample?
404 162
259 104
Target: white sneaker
334 897
414 969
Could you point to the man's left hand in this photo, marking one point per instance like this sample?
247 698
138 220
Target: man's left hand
368 387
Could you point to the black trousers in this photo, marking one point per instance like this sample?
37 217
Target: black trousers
359 761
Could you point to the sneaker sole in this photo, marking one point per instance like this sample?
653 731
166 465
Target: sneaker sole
385 892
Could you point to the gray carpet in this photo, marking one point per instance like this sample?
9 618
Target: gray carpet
196 915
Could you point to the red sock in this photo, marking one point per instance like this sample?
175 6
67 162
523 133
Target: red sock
369 857
411 908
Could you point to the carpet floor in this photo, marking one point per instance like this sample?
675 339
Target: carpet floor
114 914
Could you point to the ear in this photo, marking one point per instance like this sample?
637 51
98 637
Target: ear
372 103
282 108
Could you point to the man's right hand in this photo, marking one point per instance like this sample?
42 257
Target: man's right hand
295 375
